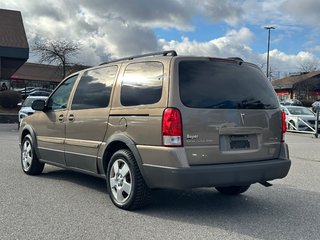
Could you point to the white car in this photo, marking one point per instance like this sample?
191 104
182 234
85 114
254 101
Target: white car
26 109
315 105
299 118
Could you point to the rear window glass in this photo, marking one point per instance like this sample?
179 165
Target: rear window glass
224 85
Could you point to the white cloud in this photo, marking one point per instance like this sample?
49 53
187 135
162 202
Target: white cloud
103 33
109 29
283 63
234 43
315 48
306 11
222 11
264 12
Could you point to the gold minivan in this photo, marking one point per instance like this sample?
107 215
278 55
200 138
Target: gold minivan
161 121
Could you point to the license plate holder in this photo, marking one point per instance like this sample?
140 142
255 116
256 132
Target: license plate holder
239 142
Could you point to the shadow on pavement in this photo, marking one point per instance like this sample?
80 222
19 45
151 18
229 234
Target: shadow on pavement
259 213
80 179
279 212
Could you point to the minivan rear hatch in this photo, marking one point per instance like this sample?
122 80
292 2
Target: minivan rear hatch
230 112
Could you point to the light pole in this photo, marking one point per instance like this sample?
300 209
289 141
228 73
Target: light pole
269 29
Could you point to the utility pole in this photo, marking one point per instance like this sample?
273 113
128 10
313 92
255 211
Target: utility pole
269 29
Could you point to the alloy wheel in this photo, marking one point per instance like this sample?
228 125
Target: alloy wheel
120 181
27 155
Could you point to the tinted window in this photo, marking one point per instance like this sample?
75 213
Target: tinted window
142 84
224 85
94 88
60 98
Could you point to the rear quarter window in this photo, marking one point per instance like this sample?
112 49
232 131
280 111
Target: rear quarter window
224 85
142 83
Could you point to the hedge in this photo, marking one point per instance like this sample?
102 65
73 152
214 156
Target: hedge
9 98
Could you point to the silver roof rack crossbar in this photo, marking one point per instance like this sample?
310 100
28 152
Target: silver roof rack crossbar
163 53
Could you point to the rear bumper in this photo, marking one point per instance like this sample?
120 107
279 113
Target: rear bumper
233 174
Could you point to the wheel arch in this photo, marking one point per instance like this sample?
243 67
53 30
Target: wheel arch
118 142
28 130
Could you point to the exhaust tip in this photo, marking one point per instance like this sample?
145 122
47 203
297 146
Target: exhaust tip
266 184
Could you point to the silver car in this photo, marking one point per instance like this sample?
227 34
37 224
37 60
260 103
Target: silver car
299 118
26 109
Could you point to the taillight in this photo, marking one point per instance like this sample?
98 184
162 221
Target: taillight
171 127
284 125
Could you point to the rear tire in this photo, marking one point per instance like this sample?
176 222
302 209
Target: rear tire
29 159
126 186
233 190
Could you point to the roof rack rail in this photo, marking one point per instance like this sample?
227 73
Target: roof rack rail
163 53
236 59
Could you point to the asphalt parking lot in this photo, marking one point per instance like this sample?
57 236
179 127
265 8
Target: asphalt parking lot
60 204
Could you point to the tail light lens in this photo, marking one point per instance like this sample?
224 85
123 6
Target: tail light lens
284 125
171 128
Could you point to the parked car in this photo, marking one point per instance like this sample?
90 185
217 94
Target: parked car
40 93
291 102
26 109
34 91
315 105
161 121
298 118
25 90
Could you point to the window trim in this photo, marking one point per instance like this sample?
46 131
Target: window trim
76 75
246 64
162 84
83 75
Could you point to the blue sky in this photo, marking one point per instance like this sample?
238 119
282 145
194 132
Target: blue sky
222 28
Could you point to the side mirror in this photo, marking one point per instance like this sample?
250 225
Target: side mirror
19 104
38 105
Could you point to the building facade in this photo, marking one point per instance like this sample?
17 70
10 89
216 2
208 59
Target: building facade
40 75
36 75
14 48
303 86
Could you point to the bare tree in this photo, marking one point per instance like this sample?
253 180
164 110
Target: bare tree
309 66
56 51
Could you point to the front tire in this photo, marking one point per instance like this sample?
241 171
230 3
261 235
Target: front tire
29 160
126 186
233 190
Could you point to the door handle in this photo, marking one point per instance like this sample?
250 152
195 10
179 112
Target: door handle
60 118
71 117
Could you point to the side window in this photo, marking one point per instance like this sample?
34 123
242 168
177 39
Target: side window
142 84
94 88
59 99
